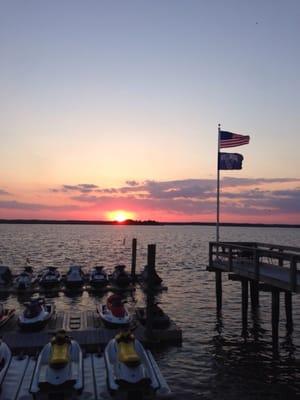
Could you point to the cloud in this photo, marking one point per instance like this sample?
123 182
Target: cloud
81 187
18 205
183 198
198 196
132 183
4 192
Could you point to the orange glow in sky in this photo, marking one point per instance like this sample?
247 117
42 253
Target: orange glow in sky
120 215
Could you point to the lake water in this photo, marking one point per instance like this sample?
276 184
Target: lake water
214 362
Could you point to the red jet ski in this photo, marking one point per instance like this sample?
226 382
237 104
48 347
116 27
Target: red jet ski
114 313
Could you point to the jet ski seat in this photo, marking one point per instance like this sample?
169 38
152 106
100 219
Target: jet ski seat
126 350
59 355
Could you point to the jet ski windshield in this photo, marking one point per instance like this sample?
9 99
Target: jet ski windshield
33 309
59 355
126 350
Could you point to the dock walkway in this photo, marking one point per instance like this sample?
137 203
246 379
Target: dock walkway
267 263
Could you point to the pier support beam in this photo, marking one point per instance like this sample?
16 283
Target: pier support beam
219 290
289 312
133 258
244 283
275 316
254 294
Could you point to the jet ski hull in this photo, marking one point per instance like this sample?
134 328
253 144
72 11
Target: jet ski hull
144 378
5 355
110 320
67 379
36 323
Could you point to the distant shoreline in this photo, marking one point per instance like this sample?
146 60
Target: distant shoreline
133 222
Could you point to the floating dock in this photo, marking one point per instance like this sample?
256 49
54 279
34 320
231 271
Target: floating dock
84 327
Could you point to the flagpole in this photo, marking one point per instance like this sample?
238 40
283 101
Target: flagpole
218 188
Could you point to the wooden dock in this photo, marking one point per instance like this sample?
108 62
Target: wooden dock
261 266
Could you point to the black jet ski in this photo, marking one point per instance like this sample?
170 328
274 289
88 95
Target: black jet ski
114 313
59 368
159 319
36 314
5 358
98 277
132 370
50 277
5 314
5 276
120 277
26 279
150 277
74 278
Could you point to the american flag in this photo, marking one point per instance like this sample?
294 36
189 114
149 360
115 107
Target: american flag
229 139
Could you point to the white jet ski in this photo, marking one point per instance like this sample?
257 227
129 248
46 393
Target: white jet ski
5 358
132 370
36 314
114 313
59 368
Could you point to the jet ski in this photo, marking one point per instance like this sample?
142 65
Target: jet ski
5 276
5 314
159 319
74 278
120 277
36 314
59 368
5 358
98 277
26 279
131 370
50 278
150 277
114 313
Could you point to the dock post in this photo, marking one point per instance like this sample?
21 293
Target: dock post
254 294
133 258
151 256
219 290
244 306
275 316
289 312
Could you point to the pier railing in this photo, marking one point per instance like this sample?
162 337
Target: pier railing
259 261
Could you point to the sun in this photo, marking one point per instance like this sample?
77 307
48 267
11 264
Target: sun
120 215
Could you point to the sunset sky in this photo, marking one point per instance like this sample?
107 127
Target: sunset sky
113 106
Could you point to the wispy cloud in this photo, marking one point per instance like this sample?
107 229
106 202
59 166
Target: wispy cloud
4 192
186 198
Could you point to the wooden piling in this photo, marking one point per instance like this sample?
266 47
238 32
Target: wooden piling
254 295
151 256
219 290
275 316
289 312
133 258
244 283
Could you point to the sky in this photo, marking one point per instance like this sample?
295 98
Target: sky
110 109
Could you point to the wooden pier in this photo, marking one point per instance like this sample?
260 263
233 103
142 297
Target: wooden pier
260 266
